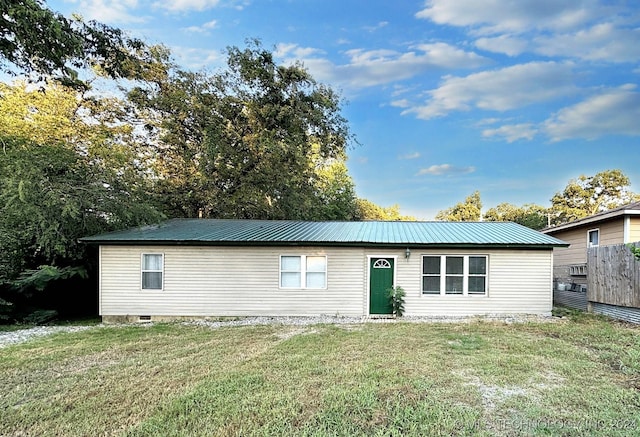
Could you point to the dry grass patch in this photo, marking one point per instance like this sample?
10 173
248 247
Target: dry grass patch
480 378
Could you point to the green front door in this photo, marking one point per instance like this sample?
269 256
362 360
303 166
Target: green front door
380 278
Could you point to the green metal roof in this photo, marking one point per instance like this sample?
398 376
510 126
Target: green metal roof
367 233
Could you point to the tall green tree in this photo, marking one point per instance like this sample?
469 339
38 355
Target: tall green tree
588 195
49 197
37 40
335 197
529 215
68 168
251 141
468 211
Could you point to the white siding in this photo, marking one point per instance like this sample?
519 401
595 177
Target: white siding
519 281
242 281
227 281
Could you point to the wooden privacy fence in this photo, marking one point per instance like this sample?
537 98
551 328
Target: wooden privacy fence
613 276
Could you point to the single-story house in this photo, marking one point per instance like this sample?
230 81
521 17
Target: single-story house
199 268
616 226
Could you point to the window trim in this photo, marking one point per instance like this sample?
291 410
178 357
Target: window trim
465 274
143 271
589 237
303 272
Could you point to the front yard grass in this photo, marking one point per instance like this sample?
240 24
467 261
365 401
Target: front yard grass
567 377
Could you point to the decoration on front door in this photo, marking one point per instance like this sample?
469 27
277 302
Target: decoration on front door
382 264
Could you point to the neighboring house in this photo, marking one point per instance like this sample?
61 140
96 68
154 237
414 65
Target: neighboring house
616 226
199 268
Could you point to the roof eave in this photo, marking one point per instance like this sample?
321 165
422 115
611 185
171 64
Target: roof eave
590 220
322 243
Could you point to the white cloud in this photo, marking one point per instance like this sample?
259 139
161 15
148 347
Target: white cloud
186 5
197 58
202 29
496 16
410 156
499 90
445 169
487 121
512 132
378 26
447 56
602 42
289 50
399 90
110 11
367 68
613 112
507 44
591 30
401 103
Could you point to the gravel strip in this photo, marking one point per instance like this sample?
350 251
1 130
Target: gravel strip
337 320
288 321
22 335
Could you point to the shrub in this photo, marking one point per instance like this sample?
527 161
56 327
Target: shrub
396 299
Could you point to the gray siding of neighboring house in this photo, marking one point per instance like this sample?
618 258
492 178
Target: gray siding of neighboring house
634 229
244 281
611 232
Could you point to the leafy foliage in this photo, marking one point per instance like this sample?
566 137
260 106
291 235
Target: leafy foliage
335 192
40 317
49 197
582 197
367 210
66 171
38 279
529 215
257 140
396 299
6 308
38 40
468 211
634 250
588 195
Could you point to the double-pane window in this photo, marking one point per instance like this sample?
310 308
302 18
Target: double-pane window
454 274
303 271
454 281
152 271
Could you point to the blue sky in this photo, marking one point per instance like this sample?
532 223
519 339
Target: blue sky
445 97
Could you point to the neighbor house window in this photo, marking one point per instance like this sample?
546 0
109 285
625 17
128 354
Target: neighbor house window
152 271
593 238
303 271
454 274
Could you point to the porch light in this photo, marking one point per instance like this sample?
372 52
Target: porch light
407 253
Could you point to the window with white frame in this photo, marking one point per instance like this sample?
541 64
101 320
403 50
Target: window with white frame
303 271
454 274
593 238
152 271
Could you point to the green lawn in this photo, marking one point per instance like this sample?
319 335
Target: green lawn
569 377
